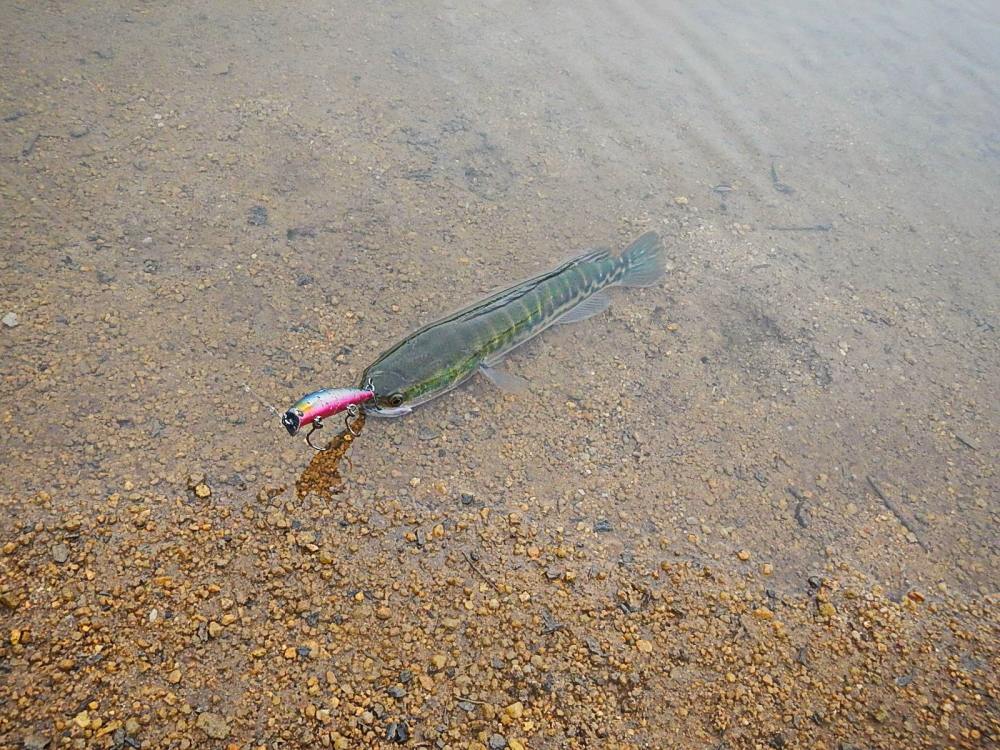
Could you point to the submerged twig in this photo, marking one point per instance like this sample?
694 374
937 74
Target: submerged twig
896 512
478 570
809 228
963 441
778 184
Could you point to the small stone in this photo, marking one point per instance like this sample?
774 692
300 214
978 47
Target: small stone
681 200
35 742
174 677
213 725
515 710
515 744
827 610
60 553
767 569
82 719
439 660
602 526
743 554
214 629
397 691
645 646
257 217
398 732
202 490
10 319
383 613
132 726
763 613
497 742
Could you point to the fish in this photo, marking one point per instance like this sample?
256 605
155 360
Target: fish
316 406
443 354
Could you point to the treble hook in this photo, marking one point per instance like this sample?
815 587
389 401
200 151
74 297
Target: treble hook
353 412
317 424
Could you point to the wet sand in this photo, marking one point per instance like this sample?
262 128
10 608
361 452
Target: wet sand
754 506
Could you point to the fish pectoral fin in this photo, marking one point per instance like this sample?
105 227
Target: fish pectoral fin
595 304
504 380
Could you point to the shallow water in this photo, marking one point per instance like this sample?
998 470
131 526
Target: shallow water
201 196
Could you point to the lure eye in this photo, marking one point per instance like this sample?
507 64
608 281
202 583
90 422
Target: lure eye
396 399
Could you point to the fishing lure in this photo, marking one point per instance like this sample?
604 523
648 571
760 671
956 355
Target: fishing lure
441 355
314 407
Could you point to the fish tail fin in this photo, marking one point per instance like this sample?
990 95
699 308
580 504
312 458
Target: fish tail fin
643 262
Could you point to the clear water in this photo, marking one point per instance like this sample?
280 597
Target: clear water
197 196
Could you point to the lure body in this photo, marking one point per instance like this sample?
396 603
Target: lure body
320 404
436 358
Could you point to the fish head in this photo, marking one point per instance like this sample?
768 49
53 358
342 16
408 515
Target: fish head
321 404
391 392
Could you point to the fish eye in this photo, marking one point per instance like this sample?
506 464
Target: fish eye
396 399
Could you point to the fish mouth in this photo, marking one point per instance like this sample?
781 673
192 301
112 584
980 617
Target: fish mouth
291 420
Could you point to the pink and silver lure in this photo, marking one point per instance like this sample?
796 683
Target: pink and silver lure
316 406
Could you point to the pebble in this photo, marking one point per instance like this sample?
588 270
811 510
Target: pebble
497 742
10 319
397 731
397 691
681 200
60 553
515 710
213 725
644 646
35 742
743 555
202 490
257 216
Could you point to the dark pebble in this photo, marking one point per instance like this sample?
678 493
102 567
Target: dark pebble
303 651
397 731
777 741
602 526
468 499
258 216
497 742
904 680
397 691
305 280
405 676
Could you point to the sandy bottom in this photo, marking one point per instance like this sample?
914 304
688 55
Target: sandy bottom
754 506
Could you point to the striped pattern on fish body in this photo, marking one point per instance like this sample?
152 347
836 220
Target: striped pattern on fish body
434 359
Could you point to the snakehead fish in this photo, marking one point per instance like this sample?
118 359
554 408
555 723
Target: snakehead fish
438 357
